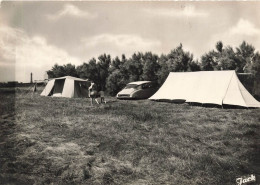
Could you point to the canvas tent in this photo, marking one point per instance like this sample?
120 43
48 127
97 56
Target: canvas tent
66 86
206 87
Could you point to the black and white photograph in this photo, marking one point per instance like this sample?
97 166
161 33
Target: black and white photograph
129 92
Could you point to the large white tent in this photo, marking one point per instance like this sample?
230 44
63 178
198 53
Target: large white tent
206 87
66 86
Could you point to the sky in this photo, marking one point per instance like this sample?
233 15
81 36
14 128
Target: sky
36 35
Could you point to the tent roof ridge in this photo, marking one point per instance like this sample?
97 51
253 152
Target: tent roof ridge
69 77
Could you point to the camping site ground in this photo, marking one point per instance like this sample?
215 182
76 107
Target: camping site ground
46 140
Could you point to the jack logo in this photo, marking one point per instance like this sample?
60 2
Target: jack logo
245 179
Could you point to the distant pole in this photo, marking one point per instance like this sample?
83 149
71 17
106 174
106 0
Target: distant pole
35 87
31 78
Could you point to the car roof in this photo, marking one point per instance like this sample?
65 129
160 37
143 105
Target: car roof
139 82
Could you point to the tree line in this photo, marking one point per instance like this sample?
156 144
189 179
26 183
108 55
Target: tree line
113 74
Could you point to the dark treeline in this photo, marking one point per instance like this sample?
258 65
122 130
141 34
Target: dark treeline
113 74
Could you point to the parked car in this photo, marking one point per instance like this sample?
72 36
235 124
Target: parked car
138 90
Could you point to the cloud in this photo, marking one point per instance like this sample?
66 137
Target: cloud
121 40
29 54
37 52
8 39
244 27
243 30
118 43
71 10
187 11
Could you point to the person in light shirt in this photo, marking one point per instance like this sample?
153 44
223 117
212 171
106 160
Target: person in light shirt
93 94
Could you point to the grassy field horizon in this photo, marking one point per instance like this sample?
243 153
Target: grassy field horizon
45 140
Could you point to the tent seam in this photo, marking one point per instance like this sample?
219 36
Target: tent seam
227 87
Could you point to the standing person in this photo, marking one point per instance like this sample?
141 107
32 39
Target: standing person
102 97
93 92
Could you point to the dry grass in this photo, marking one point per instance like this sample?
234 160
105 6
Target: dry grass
48 140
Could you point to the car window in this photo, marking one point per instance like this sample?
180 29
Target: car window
152 85
129 86
145 86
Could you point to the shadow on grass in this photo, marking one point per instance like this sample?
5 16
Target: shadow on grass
207 105
132 99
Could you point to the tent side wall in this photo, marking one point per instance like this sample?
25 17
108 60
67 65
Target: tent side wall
210 87
233 95
170 90
48 88
248 98
237 94
68 89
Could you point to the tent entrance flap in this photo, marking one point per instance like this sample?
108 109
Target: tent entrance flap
58 86
80 89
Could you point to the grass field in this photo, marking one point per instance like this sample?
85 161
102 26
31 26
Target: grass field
46 140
